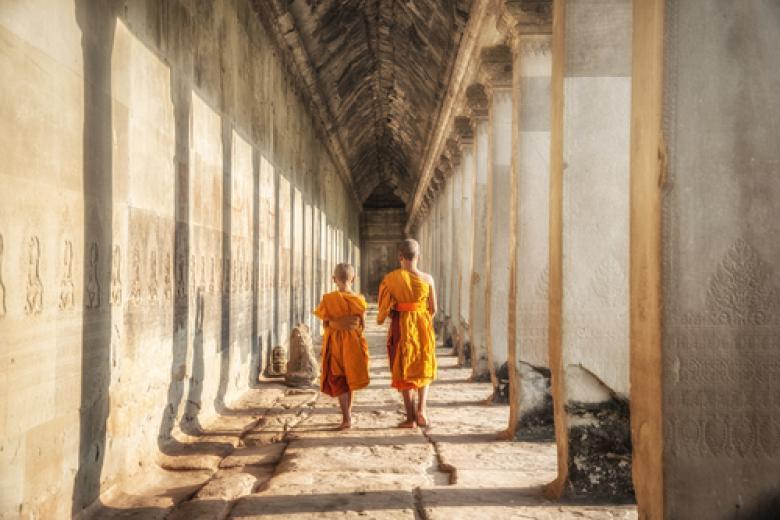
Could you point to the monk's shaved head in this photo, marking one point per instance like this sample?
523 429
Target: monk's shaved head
409 249
344 272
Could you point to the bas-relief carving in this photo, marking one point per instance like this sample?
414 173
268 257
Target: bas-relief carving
135 286
740 292
93 283
66 286
722 364
181 266
167 283
34 298
153 286
609 283
2 286
116 276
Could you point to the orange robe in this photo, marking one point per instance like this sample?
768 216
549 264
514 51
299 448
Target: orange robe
344 352
411 343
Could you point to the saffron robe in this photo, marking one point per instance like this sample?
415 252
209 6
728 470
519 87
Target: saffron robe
344 352
411 343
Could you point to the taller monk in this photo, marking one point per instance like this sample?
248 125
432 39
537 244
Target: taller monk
408 297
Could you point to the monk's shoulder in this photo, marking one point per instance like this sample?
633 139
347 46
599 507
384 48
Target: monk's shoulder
428 278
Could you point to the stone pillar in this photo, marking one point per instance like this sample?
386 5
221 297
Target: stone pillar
704 221
496 67
453 238
477 102
531 411
589 240
464 237
444 296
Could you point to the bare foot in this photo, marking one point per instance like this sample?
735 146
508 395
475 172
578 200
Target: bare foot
345 425
422 420
409 423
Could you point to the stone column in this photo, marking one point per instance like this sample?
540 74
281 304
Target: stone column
589 239
453 238
444 296
531 411
464 237
477 102
704 222
496 68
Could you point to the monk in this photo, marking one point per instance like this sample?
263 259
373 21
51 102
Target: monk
408 297
344 348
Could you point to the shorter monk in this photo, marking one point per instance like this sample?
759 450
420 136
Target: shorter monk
344 349
408 297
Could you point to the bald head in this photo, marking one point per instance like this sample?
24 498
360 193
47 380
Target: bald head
409 249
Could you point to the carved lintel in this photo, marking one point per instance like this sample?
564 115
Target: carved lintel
530 16
495 66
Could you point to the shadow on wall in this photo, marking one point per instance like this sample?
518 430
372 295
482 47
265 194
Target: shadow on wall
97 24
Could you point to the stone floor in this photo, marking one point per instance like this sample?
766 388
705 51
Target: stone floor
277 455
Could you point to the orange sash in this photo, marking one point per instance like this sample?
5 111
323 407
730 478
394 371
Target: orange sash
411 306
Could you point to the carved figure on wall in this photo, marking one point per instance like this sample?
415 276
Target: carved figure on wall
116 276
93 286
153 286
135 288
225 275
34 301
167 288
2 287
66 286
181 278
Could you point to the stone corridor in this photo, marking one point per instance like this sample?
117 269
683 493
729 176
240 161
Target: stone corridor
277 455
594 186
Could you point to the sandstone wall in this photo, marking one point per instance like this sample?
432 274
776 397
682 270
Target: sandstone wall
175 198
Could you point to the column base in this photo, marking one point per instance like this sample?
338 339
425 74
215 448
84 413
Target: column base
600 450
466 354
501 385
536 416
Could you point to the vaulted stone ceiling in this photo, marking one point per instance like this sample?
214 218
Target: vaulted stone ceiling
381 67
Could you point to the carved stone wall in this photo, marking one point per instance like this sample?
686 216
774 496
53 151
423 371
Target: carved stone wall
720 262
143 145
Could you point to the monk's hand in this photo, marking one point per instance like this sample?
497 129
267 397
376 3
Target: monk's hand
346 323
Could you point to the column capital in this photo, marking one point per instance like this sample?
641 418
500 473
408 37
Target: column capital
463 130
477 101
452 150
495 66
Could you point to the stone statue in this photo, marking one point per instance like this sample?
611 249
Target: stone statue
302 368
